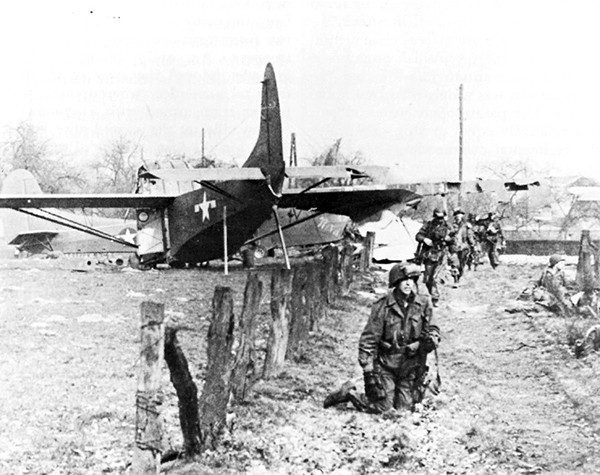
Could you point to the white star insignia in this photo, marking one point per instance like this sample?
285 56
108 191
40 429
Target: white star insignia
205 206
128 236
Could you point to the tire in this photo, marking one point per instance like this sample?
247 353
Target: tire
259 252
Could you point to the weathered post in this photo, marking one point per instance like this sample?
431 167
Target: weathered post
316 294
300 312
585 270
367 254
330 272
244 367
148 420
187 393
281 287
346 273
215 394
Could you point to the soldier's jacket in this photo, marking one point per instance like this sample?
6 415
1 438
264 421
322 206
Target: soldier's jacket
438 230
391 328
463 237
491 231
554 281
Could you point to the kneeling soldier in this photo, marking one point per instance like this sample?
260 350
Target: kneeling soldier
393 347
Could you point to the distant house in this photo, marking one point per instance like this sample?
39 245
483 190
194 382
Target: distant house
556 214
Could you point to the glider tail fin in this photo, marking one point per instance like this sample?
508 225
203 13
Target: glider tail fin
268 151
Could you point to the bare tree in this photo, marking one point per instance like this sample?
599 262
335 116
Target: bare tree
26 149
117 170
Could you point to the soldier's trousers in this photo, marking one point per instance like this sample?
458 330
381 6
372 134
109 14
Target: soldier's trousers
493 255
463 255
431 277
400 392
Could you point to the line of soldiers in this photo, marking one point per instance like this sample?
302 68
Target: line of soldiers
459 244
401 330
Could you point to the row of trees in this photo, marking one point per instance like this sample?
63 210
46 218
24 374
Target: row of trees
115 170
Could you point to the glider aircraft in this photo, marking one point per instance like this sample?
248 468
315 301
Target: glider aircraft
201 214
32 235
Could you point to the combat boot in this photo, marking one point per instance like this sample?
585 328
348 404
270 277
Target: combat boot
339 396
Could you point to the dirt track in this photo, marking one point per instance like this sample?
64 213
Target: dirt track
514 399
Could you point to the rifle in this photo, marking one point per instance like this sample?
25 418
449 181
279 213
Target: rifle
418 259
422 381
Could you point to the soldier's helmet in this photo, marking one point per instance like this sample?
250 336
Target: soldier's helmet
555 259
458 211
439 213
403 271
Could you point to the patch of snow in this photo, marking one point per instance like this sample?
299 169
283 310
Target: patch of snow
92 318
12 288
130 269
131 293
39 325
43 300
48 333
174 314
56 318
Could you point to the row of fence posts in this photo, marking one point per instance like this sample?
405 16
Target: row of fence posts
299 299
588 279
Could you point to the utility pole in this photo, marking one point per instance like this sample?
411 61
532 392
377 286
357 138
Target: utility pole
293 157
460 142
203 159
460 134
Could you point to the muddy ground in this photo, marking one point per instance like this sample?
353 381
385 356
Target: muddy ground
514 399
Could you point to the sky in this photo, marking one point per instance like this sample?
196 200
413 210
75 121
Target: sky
384 76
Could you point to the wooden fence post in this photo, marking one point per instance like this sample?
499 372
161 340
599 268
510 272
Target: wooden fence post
244 368
215 394
585 268
148 420
330 273
281 286
367 254
316 294
187 393
346 273
299 313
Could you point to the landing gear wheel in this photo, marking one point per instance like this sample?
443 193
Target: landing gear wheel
134 262
259 252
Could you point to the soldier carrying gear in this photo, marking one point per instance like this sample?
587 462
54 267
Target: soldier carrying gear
551 287
434 238
398 334
491 238
462 245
